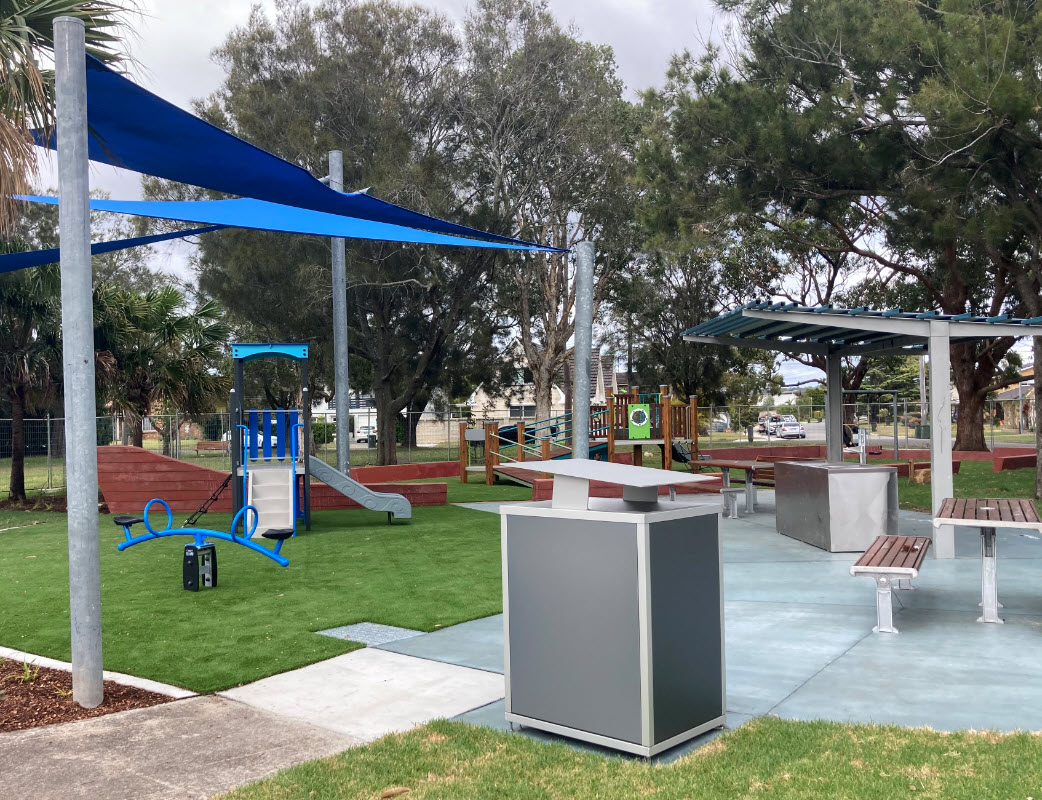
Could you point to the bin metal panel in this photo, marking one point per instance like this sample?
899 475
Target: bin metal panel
574 648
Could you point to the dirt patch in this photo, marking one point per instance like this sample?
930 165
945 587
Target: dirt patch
32 696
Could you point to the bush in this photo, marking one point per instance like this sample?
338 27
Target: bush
323 432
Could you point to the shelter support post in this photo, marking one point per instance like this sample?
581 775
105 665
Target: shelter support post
341 385
81 455
584 255
463 447
941 481
834 407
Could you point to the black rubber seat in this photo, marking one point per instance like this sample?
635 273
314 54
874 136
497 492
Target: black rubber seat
124 520
277 533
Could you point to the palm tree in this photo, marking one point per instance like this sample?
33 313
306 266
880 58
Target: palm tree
30 353
163 357
27 90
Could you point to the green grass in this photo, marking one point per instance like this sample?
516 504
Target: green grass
765 758
440 569
975 479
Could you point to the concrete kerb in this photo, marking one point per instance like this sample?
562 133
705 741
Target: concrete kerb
123 679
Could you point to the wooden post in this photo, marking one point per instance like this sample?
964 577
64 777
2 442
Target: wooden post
693 432
521 440
666 412
635 393
610 415
463 452
489 475
544 449
638 455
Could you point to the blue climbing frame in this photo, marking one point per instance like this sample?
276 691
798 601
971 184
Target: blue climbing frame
200 534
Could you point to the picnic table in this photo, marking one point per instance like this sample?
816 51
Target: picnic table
988 515
750 468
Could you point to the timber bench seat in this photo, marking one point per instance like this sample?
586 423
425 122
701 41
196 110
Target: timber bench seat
889 559
202 447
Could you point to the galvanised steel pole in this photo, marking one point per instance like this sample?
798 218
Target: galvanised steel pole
341 385
81 457
584 254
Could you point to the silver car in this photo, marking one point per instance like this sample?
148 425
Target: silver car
791 430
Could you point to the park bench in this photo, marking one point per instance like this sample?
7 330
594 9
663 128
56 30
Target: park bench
889 559
204 447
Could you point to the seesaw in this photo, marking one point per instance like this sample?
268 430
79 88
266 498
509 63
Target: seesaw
200 559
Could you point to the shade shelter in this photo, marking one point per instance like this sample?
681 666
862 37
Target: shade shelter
833 333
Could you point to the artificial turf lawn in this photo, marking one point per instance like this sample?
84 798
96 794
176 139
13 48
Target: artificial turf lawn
439 569
765 758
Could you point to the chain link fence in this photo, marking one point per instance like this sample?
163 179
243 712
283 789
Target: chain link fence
423 437
205 440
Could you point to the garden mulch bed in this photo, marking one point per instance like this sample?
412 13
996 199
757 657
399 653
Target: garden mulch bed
34 696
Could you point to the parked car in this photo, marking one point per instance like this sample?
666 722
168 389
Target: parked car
791 430
364 432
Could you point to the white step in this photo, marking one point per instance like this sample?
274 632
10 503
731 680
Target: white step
271 493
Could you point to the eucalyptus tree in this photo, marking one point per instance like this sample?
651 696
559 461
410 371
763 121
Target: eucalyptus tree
548 146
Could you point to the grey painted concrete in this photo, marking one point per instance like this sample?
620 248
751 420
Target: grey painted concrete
800 644
185 749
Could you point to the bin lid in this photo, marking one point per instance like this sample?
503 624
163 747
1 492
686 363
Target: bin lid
623 474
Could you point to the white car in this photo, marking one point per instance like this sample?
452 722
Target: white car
364 432
791 430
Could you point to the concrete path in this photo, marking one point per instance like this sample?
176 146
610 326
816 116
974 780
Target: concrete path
369 693
190 748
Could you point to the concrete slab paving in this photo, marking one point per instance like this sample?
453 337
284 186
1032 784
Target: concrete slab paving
477 644
369 693
190 748
942 670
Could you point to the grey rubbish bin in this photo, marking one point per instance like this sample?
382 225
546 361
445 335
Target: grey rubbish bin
613 609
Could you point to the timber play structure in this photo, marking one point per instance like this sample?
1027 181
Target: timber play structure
635 419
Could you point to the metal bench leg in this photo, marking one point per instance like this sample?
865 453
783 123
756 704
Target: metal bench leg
989 578
750 492
905 584
884 606
731 501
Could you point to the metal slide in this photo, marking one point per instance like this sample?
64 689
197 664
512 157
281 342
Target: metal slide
393 504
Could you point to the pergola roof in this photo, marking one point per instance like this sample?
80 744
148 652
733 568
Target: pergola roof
823 330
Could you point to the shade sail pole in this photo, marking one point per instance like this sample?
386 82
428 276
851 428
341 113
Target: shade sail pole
81 456
584 257
341 385
834 408
941 483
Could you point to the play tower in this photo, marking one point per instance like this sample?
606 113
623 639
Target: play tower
270 464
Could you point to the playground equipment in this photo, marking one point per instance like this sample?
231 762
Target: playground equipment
276 482
200 556
266 474
635 419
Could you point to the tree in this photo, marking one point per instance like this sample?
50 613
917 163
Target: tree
27 90
380 82
164 356
823 111
548 146
30 353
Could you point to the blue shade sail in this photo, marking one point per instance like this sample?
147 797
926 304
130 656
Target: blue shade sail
261 215
134 129
9 262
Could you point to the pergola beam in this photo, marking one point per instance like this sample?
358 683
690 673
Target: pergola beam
809 348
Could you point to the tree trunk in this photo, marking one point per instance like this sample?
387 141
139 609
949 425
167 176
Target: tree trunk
543 386
1038 418
969 428
18 443
972 378
138 431
386 426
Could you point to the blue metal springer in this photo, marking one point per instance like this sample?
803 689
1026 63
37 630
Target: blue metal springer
201 534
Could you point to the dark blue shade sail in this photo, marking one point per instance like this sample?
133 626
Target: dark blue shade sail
134 129
9 262
260 215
